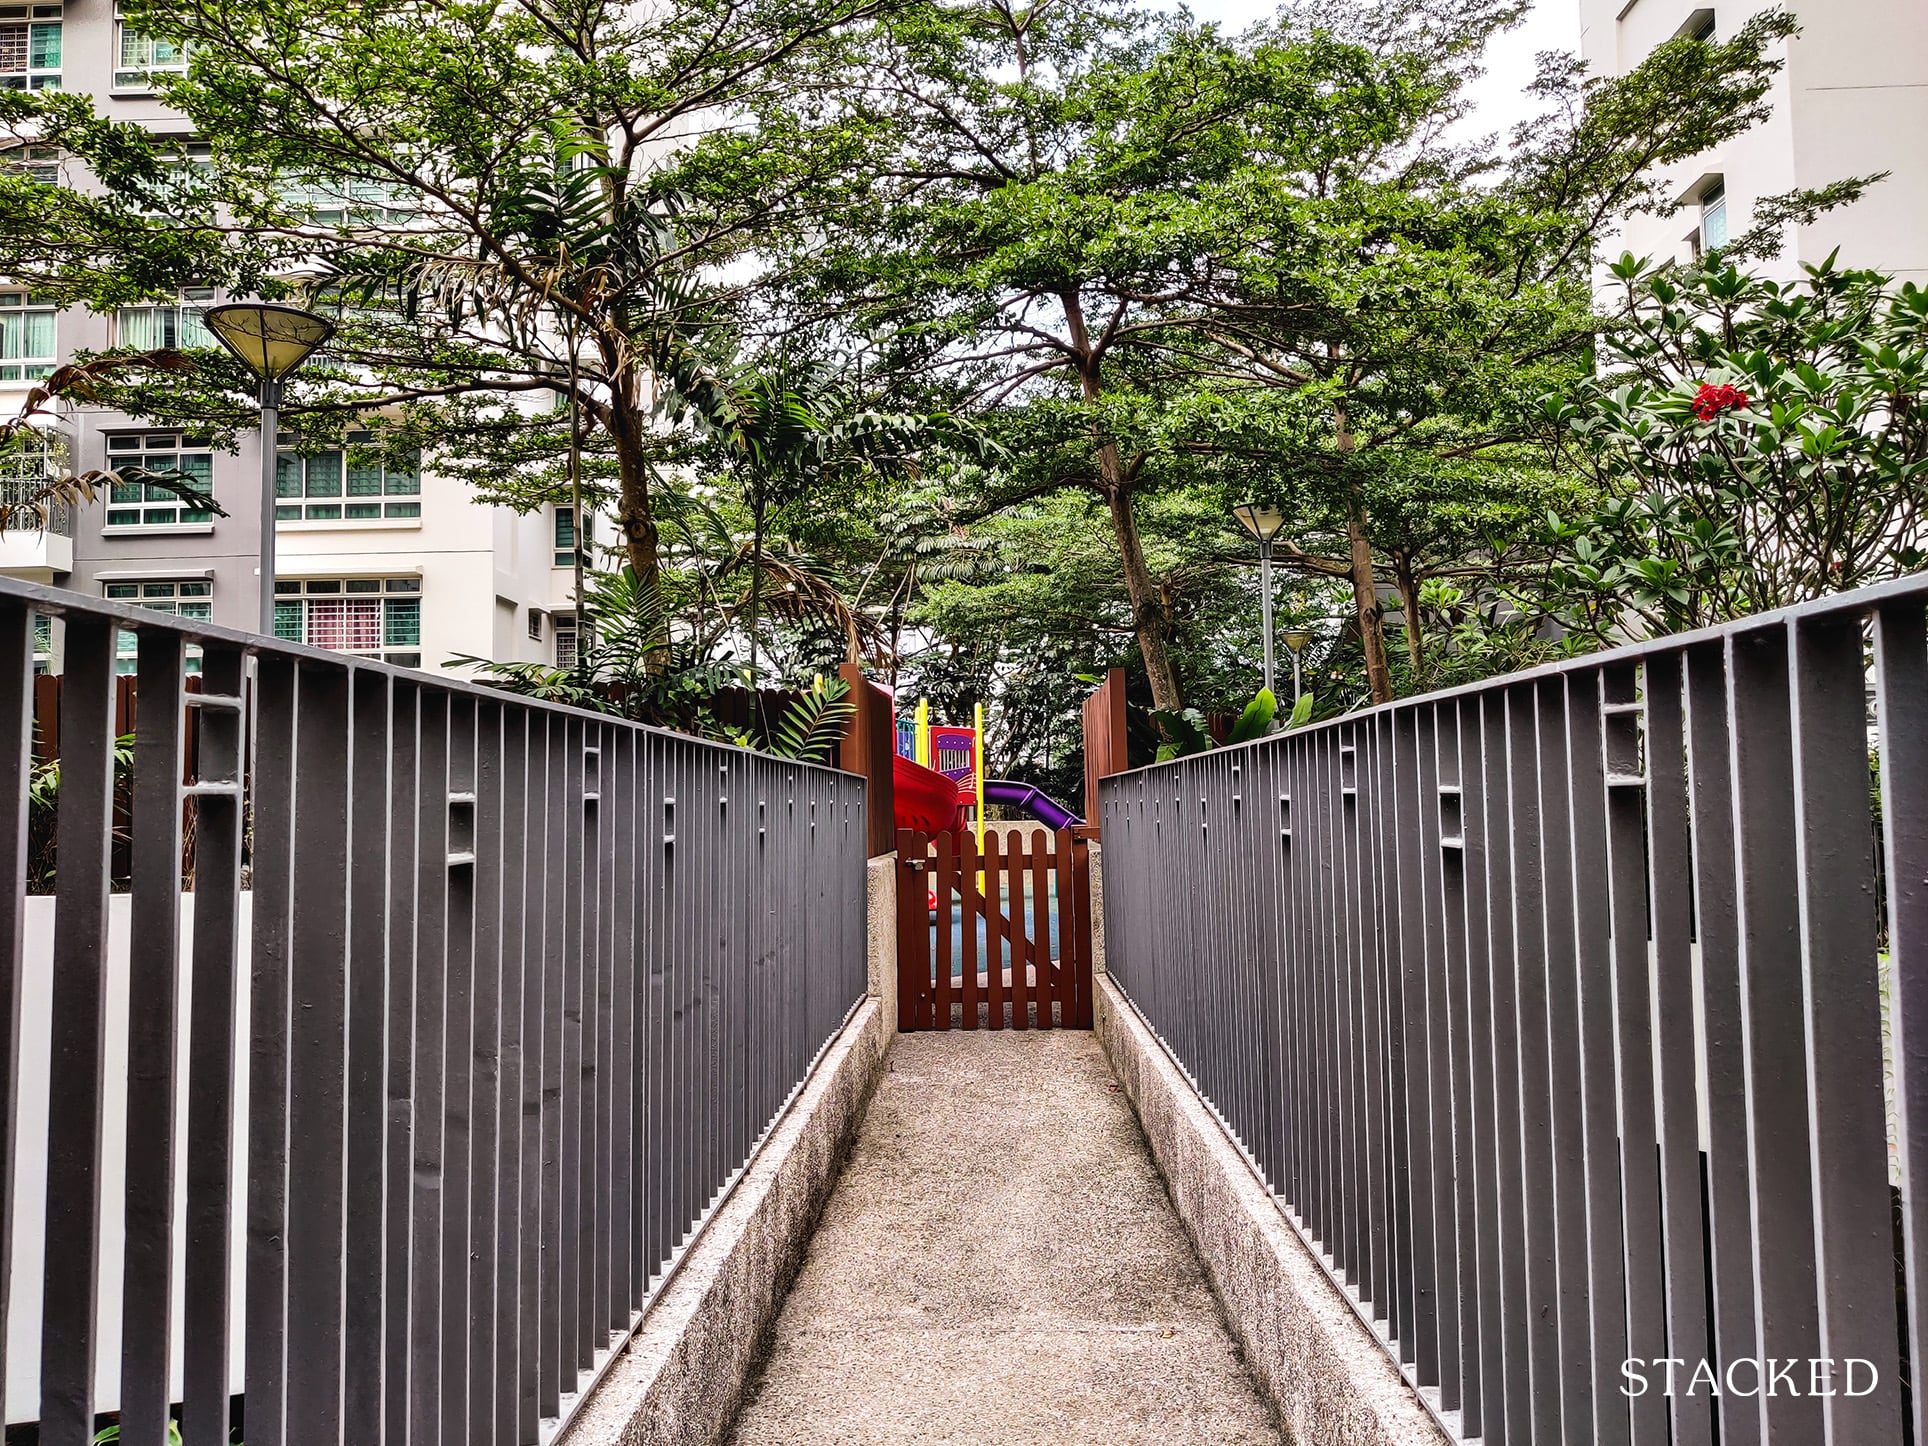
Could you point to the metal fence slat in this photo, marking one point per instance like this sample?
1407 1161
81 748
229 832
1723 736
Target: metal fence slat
1630 1006
213 1001
1901 703
16 774
371 765
153 984
1854 1217
399 1074
317 1057
429 1047
272 799
1675 971
1730 1227
77 1040
1760 733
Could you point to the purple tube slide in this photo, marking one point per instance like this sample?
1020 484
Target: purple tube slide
1027 796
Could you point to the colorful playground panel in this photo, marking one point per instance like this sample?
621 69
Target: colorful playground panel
954 754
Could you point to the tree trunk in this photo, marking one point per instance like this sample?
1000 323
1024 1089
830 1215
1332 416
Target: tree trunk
1150 617
635 516
1365 601
640 541
1365 588
1402 570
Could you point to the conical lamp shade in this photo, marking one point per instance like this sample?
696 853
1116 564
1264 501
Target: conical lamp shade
269 340
1261 520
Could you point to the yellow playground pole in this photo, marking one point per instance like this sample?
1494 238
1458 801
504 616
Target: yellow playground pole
924 732
977 720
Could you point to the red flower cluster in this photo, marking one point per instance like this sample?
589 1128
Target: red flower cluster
1710 401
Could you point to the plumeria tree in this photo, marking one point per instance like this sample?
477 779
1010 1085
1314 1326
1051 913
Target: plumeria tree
1759 443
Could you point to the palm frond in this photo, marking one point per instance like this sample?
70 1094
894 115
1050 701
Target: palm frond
812 724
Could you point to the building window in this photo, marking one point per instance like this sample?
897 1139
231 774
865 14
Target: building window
177 191
30 47
371 617
177 324
1700 26
140 57
189 598
566 537
565 640
26 337
43 643
342 202
35 163
134 504
535 624
1713 217
333 487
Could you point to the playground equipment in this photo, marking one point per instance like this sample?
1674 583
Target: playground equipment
937 775
925 799
1010 793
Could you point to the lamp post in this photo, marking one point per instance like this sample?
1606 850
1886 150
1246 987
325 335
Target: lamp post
1264 522
1295 641
271 341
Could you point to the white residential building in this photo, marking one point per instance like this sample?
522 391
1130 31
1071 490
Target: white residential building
1851 101
391 563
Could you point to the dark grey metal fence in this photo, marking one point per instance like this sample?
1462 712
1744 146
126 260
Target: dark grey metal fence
1554 1011
512 992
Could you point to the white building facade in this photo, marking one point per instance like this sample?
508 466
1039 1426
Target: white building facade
387 562
1852 100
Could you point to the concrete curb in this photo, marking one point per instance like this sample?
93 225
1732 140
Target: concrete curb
1329 1380
682 1377
880 929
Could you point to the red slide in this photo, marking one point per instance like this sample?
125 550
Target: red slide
925 799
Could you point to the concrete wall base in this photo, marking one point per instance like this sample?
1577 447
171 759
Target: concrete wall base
1330 1381
682 1376
880 925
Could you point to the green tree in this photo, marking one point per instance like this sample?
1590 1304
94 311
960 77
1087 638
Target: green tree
478 191
1758 443
1395 305
795 436
1130 240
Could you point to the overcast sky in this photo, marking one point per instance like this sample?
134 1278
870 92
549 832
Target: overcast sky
1552 25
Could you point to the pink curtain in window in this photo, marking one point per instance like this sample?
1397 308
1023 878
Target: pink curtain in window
346 624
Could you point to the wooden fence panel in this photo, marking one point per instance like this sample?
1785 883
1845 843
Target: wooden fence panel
982 897
993 930
967 905
1045 971
913 935
868 747
1021 950
1104 739
1077 944
944 886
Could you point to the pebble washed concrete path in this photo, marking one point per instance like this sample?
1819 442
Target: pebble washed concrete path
1000 1263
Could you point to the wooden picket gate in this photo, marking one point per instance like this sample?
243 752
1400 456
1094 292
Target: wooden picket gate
995 940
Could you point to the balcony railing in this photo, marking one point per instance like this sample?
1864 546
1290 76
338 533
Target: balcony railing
476 1007
1579 1020
18 491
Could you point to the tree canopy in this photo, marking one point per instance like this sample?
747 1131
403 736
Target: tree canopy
949 335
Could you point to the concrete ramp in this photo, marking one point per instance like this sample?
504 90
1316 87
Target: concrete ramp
1000 1263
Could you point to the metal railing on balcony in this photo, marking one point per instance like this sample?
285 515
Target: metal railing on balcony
24 502
475 1008
1579 1020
